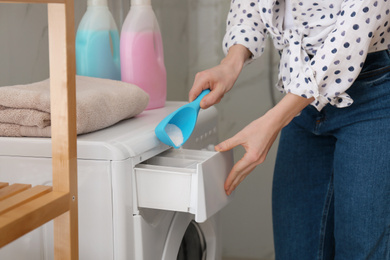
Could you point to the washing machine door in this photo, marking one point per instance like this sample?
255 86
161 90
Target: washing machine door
190 240
193 245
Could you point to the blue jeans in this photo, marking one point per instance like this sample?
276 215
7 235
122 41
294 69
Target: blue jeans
331 187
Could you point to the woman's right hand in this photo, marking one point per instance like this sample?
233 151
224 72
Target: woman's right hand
221 78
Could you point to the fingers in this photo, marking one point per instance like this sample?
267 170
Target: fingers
205 80
228 144
200 83
242 168
214 79
214 97
239 172
256 138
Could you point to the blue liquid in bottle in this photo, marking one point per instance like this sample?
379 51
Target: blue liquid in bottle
97 54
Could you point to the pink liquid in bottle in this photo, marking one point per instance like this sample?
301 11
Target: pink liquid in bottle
142 64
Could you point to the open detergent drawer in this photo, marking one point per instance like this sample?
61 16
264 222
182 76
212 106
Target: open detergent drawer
181 180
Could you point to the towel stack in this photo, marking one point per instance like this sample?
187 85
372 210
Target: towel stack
25 109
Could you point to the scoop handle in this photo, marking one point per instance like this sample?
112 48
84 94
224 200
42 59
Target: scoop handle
196 102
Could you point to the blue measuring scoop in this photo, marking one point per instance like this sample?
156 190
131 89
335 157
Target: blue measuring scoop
183 120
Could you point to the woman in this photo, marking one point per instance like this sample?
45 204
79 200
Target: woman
331 189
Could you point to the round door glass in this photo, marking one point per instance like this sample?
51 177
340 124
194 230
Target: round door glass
193 245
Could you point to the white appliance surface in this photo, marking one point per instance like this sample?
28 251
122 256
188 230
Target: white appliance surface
137 196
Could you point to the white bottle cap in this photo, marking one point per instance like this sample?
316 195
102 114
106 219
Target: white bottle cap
97 3
141 2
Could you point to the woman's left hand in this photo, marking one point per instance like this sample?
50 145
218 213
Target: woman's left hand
257 138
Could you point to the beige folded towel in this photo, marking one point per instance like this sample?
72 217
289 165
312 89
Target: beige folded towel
25 109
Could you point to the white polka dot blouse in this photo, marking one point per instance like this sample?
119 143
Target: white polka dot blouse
324 51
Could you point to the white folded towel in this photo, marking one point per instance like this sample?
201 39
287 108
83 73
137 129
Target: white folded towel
25 109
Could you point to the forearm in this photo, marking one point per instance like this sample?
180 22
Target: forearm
285 111
236 57
220 79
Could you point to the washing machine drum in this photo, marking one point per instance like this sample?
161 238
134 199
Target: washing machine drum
193 245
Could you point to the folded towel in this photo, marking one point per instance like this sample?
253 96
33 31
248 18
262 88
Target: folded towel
25 109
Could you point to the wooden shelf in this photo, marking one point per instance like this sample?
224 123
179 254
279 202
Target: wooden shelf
22 208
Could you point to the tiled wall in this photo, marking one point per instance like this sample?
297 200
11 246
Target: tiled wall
192 32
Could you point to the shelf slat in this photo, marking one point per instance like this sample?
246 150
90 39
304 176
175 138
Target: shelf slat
13 189
33 214
23 197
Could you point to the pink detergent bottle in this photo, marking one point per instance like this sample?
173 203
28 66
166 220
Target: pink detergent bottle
141 53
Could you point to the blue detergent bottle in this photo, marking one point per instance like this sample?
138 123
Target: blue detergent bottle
97 43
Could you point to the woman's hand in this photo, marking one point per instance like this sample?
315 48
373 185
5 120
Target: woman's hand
219 79
258 137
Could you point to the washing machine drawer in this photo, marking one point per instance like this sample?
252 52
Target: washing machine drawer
184 180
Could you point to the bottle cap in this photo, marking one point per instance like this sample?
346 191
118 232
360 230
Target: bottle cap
97 3
141 2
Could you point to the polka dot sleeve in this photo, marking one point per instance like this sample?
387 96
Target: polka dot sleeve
361 27
244 27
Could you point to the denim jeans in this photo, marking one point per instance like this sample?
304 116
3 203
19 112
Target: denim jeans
331 187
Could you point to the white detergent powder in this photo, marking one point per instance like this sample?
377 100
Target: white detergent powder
175 134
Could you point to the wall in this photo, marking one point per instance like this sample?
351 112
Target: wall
172 16
24 42
192 33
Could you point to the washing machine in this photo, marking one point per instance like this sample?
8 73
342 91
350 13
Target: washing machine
139 199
